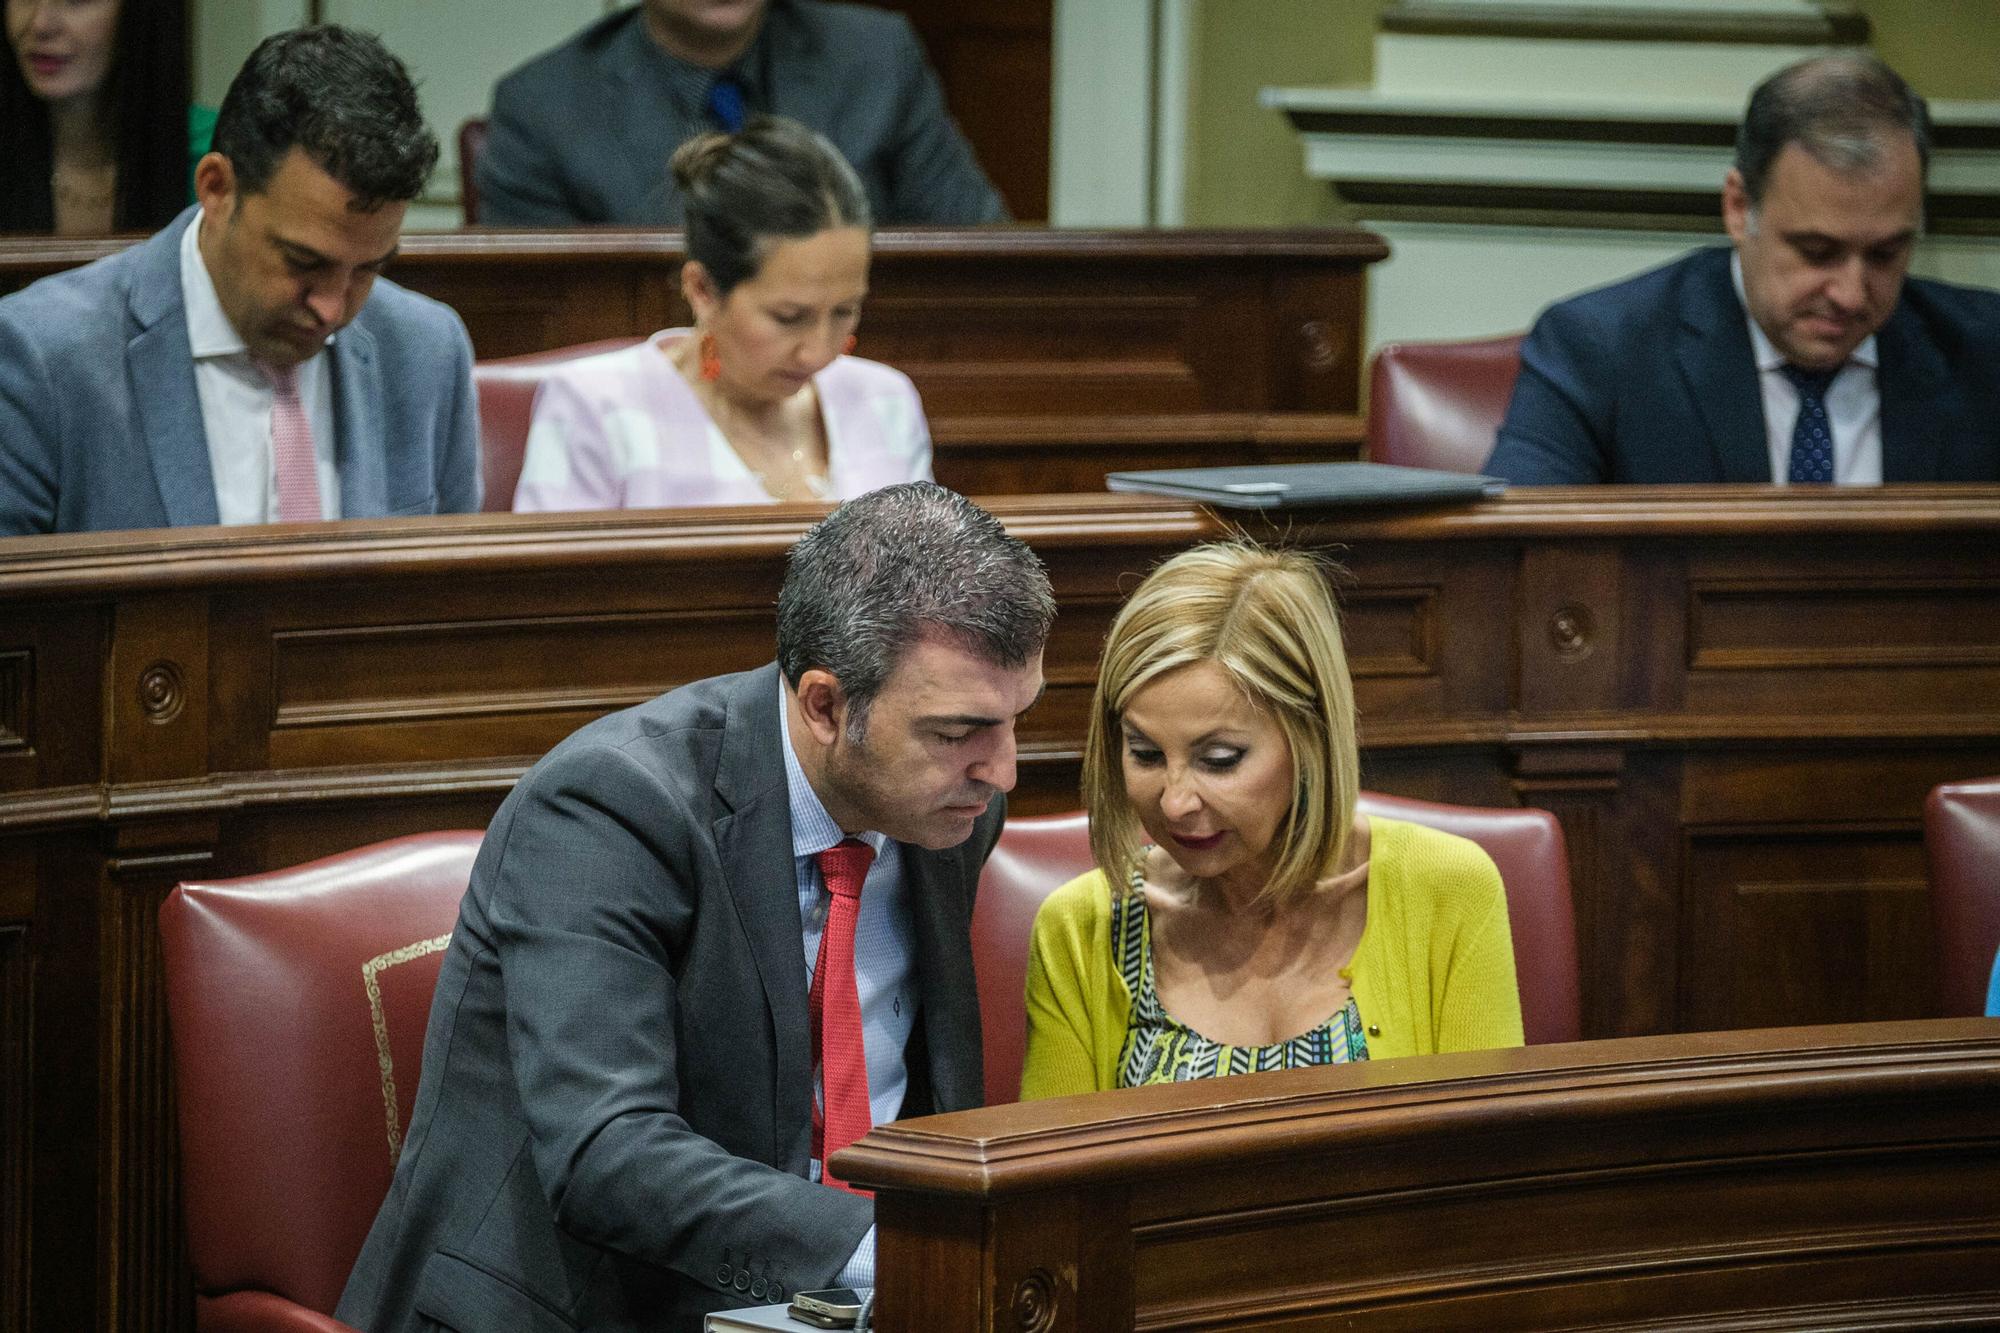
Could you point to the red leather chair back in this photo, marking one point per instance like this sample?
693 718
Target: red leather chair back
506 388
298 1001
1962 845
1440 405
1038 854
471 143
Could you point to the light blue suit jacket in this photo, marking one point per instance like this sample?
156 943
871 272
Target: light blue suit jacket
101 428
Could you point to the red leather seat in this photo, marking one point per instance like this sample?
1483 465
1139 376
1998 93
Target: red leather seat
1038 854
298 1001
1962 845
1440 405
471 143
506 388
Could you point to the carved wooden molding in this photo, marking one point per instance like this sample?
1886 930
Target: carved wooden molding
17 685
1620 23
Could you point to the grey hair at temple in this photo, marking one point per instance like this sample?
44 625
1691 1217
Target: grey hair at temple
889 568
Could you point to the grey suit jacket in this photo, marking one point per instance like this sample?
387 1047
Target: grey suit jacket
613 1126
580 134
100 423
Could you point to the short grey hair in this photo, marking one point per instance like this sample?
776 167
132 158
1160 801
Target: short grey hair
1838 108
894 566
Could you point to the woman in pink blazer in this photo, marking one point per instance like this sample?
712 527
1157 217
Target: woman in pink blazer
758 402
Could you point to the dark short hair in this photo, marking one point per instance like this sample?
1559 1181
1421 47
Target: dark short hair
1835 107
339 96
894 566
772 180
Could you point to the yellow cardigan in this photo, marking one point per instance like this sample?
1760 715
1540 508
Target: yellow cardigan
1434 970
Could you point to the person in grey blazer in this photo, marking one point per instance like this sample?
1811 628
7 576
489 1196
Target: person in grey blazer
142 391
582 134
615 1124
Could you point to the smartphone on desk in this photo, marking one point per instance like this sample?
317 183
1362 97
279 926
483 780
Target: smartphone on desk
834 1307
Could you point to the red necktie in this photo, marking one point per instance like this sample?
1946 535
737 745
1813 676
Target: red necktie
835 1001
292 457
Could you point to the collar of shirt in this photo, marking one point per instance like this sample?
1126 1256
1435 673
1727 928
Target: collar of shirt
1766 352
813 829
210 334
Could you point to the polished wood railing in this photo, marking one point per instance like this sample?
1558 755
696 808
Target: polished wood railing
1831 1177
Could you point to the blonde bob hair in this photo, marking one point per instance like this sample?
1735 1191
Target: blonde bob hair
1266 618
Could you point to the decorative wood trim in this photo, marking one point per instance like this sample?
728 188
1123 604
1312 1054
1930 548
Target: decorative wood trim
17 698
1066 434
1946 214
113 564
984 246
16 1126
1183 1129
1444 18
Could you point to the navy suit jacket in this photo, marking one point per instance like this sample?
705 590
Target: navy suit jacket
100 421
613 1126
1654 380
577 135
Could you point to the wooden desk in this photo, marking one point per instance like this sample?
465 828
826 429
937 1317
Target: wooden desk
1734 698
1045 357
1806 1177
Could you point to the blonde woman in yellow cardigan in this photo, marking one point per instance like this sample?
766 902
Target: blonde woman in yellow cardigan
1243 916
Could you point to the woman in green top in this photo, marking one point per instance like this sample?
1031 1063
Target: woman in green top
1243 916
96 129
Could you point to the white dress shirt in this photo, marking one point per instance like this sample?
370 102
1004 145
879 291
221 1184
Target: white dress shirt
236 404
1853 405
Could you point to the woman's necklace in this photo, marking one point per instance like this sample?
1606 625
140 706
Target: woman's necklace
781 469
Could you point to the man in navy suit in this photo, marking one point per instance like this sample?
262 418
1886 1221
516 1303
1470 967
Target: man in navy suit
247 365
1801 354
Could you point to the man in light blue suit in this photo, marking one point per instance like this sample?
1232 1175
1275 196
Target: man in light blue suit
246 365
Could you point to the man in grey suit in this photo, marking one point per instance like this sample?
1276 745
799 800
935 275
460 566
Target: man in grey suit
197 377
619 1122
582 134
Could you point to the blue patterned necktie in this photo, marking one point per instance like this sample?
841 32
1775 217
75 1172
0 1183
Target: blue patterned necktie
725 102
1812 436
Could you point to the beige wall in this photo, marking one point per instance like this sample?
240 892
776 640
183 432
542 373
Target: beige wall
1245 165
1945 48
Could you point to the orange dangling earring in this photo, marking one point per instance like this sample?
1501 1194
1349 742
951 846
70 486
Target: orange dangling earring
847 348
711 364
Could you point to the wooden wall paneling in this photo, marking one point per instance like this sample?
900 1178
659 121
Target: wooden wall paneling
520 305
1616 804
994 58
1313 339
1887 637
149 1288
16 1086
72 1245
1806 885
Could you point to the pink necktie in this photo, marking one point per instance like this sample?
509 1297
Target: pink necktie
835 1002
292 457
